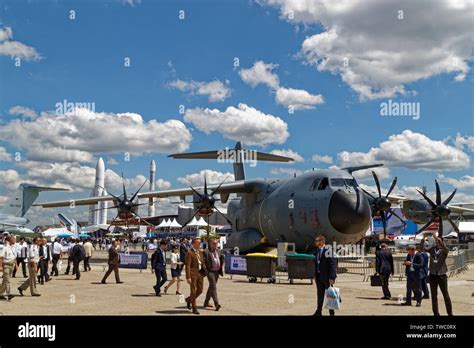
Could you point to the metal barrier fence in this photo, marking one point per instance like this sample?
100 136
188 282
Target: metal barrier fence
457 262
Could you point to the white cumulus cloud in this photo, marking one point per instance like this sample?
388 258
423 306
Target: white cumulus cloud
22 111
15 49
77 135
260 72
215 90
243 122
378 47
299 99
322 159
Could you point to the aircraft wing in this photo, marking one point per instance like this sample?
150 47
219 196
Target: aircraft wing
73 202
8 224
239 186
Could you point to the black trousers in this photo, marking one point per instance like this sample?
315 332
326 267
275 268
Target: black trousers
43 271
442 282
87 267
413 284
385 278
21 261
321 287
68 268
54 269
75 268
161 278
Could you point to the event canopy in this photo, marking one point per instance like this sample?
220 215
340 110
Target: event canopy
164 223
175 224
201 222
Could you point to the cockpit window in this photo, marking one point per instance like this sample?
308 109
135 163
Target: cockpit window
324 183
314 185
338 182
351 182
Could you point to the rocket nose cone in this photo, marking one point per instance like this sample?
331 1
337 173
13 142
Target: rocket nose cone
100 165
152 164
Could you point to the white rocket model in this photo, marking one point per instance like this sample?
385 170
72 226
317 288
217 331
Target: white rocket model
151 201
96 216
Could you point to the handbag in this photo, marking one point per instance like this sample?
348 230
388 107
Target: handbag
375 280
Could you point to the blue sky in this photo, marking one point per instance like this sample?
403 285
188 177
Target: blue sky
82 60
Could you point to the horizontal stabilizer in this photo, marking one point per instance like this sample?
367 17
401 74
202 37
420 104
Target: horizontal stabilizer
233 155
356 168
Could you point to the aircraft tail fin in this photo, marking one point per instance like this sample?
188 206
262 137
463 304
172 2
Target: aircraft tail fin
238 156
356 168
24 197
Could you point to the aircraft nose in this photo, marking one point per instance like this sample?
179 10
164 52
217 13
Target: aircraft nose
349 213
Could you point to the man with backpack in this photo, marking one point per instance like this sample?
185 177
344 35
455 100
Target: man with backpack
78 254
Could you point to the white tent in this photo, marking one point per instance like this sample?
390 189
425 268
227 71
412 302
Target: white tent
174 224
53 232
193 222
201 222
164 223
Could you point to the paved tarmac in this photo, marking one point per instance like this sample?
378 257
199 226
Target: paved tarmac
66 296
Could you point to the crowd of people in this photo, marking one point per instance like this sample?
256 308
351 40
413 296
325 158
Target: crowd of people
204 260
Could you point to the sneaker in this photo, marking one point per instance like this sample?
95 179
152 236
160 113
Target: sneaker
218 307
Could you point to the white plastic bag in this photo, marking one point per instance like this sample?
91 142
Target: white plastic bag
332 299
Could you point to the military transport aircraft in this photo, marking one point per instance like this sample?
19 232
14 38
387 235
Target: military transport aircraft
12 218
266 212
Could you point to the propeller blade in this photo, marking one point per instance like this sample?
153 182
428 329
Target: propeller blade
141 219
450 197
438 193
205 184
187 222
115 206
194 190
367 193
103 188
453 224
225 217
426 225
111 222
136 193
427 199
218 187
123 184
440 227
384 222
377 183
394 182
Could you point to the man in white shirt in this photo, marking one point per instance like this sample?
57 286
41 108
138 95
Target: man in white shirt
88 248
33 260
57 249
7 263
21 257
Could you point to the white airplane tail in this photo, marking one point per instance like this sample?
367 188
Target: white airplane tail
23 198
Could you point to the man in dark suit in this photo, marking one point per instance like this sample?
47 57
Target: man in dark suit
384 267
158 265
183 250
325 270
77 255
114 262
414 272
214 260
